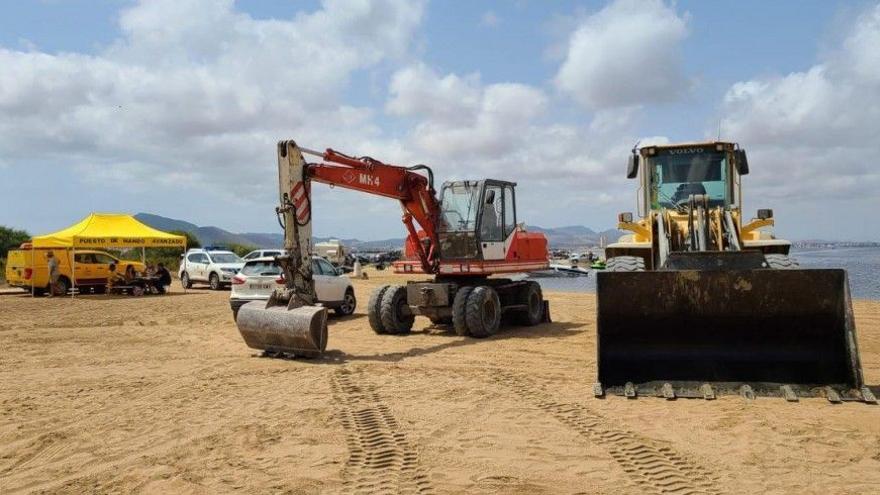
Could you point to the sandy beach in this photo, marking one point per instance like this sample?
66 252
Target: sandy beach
160 395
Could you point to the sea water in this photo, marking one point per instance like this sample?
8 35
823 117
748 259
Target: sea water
862 265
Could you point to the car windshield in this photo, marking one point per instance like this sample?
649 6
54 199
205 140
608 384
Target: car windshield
225 258
680 172
459 206
264 268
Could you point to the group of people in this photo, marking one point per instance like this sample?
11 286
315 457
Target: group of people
155 278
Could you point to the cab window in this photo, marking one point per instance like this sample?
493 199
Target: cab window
104 259
84 258
492 217
509 212
327 268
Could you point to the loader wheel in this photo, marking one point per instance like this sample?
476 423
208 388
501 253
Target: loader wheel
625 264
392 311
781 262
483 312
374 308
534 301
459 311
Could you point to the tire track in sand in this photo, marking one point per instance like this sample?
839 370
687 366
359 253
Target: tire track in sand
653 465
381 460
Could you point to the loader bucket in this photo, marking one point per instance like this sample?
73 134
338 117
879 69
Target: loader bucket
300 331
726 328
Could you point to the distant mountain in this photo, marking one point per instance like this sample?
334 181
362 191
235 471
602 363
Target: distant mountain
573 236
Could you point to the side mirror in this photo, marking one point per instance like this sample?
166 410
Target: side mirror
742 163
625 217
490 197
632 166
765 213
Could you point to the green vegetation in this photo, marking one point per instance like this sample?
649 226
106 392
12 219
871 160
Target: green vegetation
9 239
239 249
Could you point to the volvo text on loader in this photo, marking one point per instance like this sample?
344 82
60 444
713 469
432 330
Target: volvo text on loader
698 300
467 234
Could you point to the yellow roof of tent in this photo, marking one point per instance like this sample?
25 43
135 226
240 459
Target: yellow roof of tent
109 230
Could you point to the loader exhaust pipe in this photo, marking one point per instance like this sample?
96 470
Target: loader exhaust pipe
300 331
761 327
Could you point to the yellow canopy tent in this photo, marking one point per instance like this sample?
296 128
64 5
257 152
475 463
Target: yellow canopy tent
108 230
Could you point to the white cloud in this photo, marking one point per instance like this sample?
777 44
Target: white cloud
812 135
467 129
196 90
628 53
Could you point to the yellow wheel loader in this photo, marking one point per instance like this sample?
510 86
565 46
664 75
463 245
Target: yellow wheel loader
697 300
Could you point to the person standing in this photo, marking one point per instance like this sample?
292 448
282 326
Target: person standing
54 273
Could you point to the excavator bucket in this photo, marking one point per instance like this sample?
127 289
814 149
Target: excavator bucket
694 333
300 331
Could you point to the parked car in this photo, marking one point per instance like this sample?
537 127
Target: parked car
262 253
209 266
27 267
259 277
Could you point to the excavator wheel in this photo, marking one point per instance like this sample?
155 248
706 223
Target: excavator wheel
374 308
394 320
534 300
483 313
781 262
459 310
625 264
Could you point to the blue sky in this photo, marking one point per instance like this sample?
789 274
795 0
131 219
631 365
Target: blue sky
173 107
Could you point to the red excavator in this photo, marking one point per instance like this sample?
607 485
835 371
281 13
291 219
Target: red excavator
461 238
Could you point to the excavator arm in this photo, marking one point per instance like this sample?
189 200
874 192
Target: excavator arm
291 321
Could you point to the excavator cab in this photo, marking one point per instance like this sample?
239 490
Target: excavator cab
696 300
476 219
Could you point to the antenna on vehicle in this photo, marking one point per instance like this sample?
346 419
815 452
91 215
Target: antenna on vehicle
719 129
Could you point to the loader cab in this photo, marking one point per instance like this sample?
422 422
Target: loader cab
671 174
476 218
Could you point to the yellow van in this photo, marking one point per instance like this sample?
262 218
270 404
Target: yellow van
27 267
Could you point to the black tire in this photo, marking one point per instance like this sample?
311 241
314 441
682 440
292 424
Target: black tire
781 262
185 282
214 281
459 310
483 312
99 289
533 298
625 264
62 287
391 311
349 303
373 309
